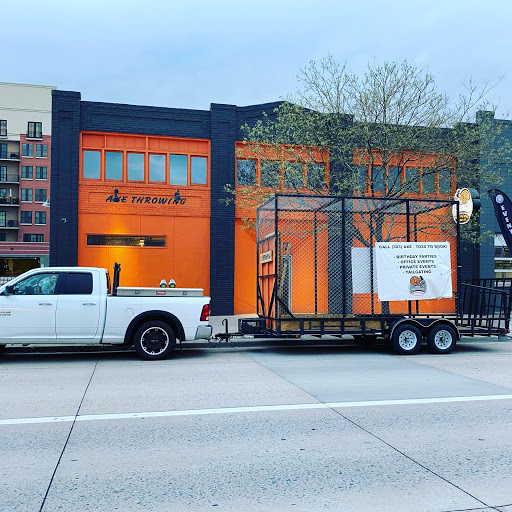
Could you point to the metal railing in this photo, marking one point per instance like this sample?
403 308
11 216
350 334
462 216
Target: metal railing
9 178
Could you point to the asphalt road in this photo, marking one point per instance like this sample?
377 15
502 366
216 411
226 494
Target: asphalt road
349 428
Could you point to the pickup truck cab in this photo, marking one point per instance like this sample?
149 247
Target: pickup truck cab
76 305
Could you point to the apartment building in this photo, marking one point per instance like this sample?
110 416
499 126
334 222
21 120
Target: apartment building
25 170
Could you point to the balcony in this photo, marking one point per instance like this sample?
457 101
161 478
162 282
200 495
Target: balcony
9 201
9 178
10 224
9 156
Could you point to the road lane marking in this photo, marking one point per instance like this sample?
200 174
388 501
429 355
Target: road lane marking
247 409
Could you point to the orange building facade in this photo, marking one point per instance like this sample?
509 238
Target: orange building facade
143 202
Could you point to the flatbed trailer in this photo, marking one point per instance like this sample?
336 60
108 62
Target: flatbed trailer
317 275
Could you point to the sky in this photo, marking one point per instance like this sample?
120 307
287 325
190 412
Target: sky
191 54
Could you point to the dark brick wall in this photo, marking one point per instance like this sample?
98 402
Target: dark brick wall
224 127
64 178
168 122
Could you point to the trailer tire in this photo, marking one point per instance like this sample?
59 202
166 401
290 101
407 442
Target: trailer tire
154 340
406 339
441 339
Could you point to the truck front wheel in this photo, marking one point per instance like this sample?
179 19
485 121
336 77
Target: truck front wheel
154 340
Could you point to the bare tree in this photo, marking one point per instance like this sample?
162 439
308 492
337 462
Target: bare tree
389 132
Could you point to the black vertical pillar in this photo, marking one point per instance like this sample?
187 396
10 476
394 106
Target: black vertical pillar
64 178
222 222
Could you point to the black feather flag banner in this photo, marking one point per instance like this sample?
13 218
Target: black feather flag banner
503 210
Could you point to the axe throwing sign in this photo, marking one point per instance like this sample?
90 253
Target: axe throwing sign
413 270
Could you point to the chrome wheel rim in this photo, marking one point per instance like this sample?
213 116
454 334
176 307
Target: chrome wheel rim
407 340
443 339
154 341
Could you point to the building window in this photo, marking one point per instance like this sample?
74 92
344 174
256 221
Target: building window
26 217
35 130
412 179
42 150
198 170
27 150
3 128
157 168
394 179
40 218
30 237
41 173
270 175
3 192
40 195
3 173
502 257
113 165
2 219
26 194
316 176
126 240
246 172
178 170
26 172
92 165
2 237
428 181
3 150
445 182
135 167
293 175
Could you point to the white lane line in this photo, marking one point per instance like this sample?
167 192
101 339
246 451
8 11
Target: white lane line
258 408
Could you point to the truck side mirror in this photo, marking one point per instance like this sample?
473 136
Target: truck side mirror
9 289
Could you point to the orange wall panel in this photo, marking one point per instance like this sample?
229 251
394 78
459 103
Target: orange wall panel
185 226
245 270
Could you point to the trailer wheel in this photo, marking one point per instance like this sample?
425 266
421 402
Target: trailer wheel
441 339
407 339
154 340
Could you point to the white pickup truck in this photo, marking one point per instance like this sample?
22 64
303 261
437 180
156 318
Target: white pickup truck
76 305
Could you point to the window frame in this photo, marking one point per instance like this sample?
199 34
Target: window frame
37 214
35 130
3 127
45 146
24 213
45 167
205 158
31 167
29 193
45 195
39 236
30 147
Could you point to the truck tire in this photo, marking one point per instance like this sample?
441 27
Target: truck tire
154 340
441 339
407 339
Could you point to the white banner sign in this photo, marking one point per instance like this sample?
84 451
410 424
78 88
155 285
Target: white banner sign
413 270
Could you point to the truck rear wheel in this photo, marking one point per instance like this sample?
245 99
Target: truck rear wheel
154 340
407 339
441 339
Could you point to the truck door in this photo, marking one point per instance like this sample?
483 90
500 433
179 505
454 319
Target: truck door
78 311
28 314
